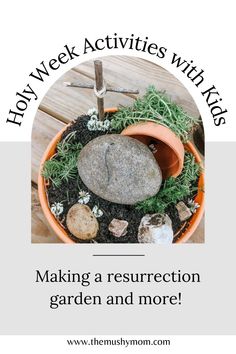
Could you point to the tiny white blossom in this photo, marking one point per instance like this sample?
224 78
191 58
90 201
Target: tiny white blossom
106 124
57 209
193 206
92 111
91 125
95 124
84 197
94 117
97 212
99 125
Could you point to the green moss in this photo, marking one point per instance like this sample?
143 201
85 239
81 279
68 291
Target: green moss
157 107
173 189
63 165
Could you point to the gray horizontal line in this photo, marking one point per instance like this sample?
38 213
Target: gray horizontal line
118 255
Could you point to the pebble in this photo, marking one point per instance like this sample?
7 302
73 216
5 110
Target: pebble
155 228
183 211
118 227
81 222
119 169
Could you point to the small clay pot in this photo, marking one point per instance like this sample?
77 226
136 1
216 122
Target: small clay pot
165 145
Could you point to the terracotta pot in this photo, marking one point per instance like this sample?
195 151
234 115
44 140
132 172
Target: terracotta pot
50 151
199 138
194 221
167 147
61 232
56 227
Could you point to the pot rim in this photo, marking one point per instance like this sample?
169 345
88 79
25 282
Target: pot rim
200 198
60 231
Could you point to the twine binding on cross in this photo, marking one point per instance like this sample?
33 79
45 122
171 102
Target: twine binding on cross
100 93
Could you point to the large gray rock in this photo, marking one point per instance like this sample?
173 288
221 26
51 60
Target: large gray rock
155 228
119 169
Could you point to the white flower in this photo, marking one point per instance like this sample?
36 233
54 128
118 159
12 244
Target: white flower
193 206
95 124
94 117
99 125
57 209
97 212
92 111
91 125
84 197
106 124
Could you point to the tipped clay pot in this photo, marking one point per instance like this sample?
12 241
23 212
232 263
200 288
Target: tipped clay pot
165 145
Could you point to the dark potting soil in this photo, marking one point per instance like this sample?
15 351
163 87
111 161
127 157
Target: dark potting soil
68 194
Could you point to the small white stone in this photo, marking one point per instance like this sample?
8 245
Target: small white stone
155 228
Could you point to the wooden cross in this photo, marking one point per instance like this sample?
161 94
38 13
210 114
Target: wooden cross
99 88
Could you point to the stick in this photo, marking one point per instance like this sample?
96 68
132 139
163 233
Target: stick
99 86
109 88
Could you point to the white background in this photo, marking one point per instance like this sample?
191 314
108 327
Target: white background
32 31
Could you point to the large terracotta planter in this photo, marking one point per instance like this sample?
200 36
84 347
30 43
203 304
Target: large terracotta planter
168 148
50 151
61 232
194 221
